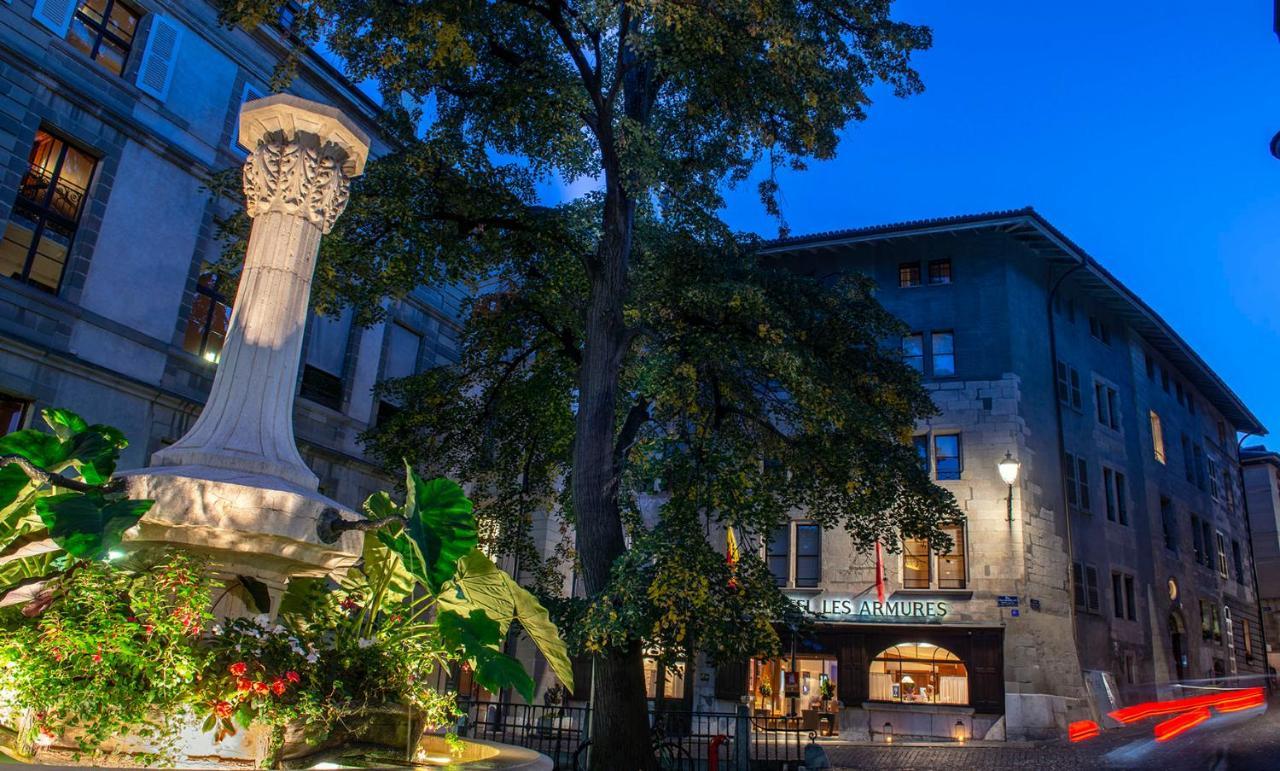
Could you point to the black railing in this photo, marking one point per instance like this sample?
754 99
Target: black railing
65 201
683 740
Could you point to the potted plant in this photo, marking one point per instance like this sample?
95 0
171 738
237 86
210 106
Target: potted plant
827 691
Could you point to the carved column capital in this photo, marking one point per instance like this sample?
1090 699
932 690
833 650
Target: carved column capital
302 156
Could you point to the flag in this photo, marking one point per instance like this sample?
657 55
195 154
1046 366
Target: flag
879 572
732 555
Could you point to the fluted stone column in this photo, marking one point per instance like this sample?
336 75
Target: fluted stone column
296 184
234 486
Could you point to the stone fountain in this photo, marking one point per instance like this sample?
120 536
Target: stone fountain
234 486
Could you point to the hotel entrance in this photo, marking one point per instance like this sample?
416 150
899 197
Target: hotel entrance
926 681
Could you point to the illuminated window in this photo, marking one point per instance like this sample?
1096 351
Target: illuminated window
1157 437
46 213
951 564
916 573
210 318
909 274
918 673
103 30
943 354
940 271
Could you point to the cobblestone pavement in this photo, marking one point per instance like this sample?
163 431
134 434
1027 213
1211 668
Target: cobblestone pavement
1241 742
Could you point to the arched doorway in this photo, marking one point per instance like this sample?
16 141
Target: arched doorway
919 673
1178 645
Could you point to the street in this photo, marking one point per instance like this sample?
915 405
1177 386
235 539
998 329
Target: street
1246 741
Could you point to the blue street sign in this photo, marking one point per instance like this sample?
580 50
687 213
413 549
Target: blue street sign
1014 613
1007 601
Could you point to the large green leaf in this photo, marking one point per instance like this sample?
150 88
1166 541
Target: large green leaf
476 636
482 585
21 566
87 524
44 450
439 530
64 423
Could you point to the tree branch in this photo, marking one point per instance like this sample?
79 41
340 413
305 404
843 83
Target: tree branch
637 416
40 476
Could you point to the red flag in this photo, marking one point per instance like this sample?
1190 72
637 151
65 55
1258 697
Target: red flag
879 573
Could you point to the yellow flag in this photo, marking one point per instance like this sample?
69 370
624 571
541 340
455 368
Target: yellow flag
731 541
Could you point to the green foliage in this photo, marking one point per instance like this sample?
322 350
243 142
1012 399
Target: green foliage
61 497
116 654
439 528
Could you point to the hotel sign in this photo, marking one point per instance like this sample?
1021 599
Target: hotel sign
845 608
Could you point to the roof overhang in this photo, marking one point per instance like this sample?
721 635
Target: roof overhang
1029 228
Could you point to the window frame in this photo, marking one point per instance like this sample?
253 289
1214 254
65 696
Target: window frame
216 300
909 272
910 358
1223 566
1157 438
99 33
950 336
937 278
1069 386
796 526
43 213
959 457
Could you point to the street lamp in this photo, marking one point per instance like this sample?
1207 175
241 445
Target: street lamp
888 733
1009 473
958 733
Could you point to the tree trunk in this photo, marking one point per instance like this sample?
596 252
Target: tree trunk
619 718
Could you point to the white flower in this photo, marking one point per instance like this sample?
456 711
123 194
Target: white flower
262 620
364 642
313 657
278 630
217 629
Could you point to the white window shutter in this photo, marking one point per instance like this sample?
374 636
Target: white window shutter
55 14
248 95
160 56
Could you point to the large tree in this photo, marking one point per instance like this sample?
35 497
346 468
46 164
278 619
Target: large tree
627 338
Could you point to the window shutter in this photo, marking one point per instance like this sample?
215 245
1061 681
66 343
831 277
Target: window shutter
249 94
55 14
159 57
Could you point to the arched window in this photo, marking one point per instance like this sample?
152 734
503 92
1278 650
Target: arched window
919 673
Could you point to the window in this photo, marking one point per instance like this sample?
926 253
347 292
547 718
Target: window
1222 554
1117 595
1164 379
916 573
1170 523
1207 536
1114 489
1098 329
1130 668
1177 389
403 348
921 442
1077 473
944 354
1091 588
1198 454
1188 464
1206 620
1197 540
210 319
46 213
909 274
1157 437
1106 401
1237 560
940 271
951 564
1222 434
779 555
946 456
808 555
1077 582
918 673
1068 385
326 358
1215 489
913 350
103 30
1130 604
13 414
1151 366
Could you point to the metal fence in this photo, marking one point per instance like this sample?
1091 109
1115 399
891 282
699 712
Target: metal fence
683 740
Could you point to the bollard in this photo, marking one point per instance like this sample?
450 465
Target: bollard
713 751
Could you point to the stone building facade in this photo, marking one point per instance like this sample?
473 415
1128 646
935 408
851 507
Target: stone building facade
1262 493
113 113
1115 567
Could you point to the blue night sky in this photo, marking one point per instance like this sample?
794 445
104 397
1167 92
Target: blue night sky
1140 129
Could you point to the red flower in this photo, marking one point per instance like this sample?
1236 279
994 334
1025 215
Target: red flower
348 604
148 628
278 686
222 709
260 688
97 657
292 676
244 684
238 669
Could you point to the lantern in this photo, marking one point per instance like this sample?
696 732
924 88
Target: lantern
888 733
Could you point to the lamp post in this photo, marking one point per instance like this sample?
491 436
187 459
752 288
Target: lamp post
1008 467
